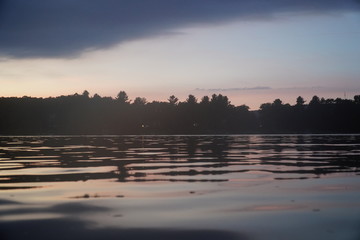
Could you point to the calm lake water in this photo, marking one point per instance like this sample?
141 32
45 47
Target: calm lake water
180 187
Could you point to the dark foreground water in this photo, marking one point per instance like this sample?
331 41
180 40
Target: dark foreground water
180 187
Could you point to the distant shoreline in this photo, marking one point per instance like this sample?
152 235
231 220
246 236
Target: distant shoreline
182 135
84 115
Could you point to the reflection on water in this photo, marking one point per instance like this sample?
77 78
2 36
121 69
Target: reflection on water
160 186
176 158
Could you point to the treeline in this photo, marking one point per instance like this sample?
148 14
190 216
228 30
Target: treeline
82 114
318 116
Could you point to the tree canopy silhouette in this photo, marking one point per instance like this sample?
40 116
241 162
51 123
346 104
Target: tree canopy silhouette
83 114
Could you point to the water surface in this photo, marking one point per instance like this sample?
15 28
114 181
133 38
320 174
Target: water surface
180 187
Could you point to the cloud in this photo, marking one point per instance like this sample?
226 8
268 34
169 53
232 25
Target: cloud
53 28
232 89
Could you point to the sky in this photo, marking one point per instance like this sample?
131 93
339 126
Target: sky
251 51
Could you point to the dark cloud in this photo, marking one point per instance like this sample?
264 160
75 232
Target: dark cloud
52 28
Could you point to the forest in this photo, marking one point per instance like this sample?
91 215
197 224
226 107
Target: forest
85 114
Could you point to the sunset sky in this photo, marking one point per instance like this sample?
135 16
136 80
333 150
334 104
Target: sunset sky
251 51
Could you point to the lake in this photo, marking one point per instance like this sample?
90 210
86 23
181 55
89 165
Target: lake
180 187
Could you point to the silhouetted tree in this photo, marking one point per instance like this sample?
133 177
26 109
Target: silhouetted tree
122 97
357 99
277 102
96 96
300 101
139 101
314 101
86 94
173 100
191 99
205 100
220 100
